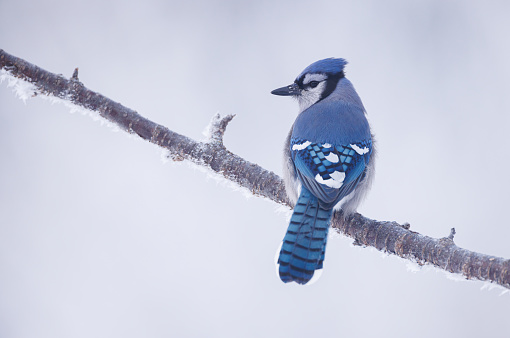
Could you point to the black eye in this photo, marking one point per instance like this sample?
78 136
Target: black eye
313 84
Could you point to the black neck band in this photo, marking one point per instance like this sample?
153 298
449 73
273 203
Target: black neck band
331 84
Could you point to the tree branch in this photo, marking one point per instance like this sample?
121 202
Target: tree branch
389 237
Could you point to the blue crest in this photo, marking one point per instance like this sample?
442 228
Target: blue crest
326 66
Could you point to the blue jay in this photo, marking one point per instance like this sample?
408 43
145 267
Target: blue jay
328 163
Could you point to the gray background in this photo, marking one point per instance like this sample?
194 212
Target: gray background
100 238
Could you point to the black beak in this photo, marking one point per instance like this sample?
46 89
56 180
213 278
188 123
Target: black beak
292 90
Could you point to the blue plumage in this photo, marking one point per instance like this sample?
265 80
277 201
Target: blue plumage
328 66
328 172
304 243
328 161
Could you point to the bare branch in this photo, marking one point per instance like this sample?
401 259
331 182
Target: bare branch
75 75
389 237
452 234
217 127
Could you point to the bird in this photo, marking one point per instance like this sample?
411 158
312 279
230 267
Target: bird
328 163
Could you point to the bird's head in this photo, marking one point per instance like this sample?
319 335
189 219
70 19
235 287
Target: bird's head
315 83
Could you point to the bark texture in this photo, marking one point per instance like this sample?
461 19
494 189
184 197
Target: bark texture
389 237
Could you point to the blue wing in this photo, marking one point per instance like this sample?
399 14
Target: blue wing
330 172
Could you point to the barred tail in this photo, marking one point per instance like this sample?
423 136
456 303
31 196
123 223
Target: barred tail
304 243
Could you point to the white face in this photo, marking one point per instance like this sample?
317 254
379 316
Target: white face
314 85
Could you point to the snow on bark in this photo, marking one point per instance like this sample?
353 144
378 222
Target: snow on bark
29 80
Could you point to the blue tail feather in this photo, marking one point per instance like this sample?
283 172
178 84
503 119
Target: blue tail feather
304 243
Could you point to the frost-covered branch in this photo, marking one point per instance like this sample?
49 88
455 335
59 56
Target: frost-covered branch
389 237
216 129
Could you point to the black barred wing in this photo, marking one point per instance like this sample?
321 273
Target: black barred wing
330 172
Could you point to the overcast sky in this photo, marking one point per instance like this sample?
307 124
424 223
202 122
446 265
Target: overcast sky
100 238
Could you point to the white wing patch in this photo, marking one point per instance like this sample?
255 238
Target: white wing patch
332 157
336 180
361 151
301 146
338 176
326 145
